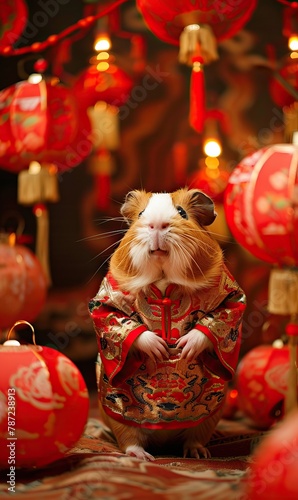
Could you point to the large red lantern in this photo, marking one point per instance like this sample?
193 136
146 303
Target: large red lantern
44 405
42 122
167 18
261 202
262 384
196 26
273 470
23 285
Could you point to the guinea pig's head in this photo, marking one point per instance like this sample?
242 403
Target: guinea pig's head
167 240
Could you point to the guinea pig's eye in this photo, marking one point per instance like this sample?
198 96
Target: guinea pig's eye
141 213
182 212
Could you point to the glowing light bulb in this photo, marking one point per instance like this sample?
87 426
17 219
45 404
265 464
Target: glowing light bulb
212 148
103 43
35 78
293 42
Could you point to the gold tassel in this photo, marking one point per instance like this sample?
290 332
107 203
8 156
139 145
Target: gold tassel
197 40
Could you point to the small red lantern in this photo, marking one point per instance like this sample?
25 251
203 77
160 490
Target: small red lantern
261 202
111 85
283 86
262 384
40 121
273 470
44 405
23 285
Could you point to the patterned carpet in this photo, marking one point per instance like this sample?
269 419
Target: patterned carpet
96 469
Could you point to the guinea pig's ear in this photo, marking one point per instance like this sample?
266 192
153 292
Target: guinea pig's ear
202 207
133 205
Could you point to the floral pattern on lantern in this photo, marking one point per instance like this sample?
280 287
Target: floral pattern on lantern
42 122
23 285
262 382
51 403
261 204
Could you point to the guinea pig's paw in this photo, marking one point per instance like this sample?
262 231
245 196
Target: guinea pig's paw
193 343
151 344
195 450
139 452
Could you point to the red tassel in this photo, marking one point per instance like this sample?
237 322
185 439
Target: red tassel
102 187
197 111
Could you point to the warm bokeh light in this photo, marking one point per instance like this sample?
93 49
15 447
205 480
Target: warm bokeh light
35 78
211 162
102 43
212 148
293 42
103 66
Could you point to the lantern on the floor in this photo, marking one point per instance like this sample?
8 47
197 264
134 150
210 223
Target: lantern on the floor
262 384
41 121
44 404
23 286
273 469
196 26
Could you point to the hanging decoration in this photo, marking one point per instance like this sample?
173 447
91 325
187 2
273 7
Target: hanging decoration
102 81
45 403
261 206
82 25
262 384
37 186
23 284
13 19
40 121
261 201
196 26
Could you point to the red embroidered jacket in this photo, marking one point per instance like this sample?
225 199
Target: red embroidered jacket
173 393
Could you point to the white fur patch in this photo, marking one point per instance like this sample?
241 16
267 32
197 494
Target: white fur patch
160 209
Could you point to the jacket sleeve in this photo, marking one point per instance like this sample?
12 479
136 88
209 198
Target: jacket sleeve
222 325
117 326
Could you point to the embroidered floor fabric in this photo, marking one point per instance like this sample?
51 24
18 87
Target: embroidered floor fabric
95 468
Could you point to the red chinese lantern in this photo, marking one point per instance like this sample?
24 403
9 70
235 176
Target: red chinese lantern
283 86
195 25
261 204
44 403
13 19
111 85
23 286
273 470
262 384
41 122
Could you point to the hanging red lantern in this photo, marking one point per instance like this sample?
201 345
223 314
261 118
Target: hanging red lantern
42 122
23 285
111 84
273 469
45 404
13 19
283 86
196 26
262 384
261 201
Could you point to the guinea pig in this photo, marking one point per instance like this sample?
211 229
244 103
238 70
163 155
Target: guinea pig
168 319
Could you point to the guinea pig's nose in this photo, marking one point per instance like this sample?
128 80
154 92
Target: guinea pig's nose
158 225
